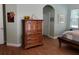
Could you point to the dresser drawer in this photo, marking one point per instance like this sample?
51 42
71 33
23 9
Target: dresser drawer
29 45
35 36
33 32
33 41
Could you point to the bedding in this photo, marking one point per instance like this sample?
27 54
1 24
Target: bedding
72 35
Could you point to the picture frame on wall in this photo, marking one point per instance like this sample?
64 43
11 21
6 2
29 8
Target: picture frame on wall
61 18
10 16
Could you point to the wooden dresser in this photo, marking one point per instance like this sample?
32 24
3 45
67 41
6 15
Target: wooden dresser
32 33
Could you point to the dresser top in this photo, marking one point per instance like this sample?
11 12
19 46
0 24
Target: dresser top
33 20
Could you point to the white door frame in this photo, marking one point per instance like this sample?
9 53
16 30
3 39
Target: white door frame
1 25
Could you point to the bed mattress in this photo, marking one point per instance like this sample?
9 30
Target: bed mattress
72 35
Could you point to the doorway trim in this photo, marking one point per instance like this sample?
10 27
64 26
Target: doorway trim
49 19
4 23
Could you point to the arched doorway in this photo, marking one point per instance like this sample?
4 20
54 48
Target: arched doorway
48 16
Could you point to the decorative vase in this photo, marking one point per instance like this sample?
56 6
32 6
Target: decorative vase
26 17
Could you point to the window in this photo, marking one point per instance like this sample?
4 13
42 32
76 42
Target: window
74 18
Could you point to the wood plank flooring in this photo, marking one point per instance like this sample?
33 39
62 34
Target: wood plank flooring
50 47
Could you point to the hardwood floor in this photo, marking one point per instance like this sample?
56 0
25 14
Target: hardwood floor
50 47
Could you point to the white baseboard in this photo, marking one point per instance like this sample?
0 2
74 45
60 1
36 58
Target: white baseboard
1 42
14 45
50 36
55 37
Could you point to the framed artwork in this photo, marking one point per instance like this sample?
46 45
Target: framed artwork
10 16
61 18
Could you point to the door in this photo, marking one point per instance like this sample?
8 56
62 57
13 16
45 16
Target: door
1 26
51 23
48 16
46 22
51 26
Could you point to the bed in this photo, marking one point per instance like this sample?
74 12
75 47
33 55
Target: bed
69 37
